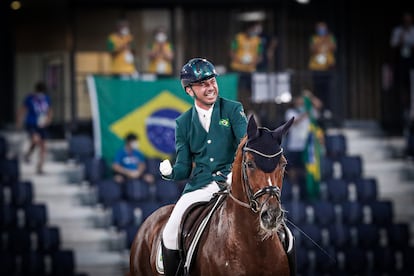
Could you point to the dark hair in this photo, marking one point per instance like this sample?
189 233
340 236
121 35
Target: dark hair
40 86
131 137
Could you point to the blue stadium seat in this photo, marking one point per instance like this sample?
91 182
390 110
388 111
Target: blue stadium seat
3 147
296 211
356 261
351 167
122 214
398 235
35 216
381 212
302 260
20 241
368 236
335 146
48 239
327 168
366 189
7 263
340 235
131 230
287 190
384 260
153 167
313 235
136 190
325 261
81 147
147 207
8 217
352 212
337 190
166 192
95 169
324 213
63 263
33 264
408 257
22 193
108 192
9 171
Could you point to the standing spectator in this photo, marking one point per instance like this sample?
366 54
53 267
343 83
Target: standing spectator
322 62
402 42
36 112
245 54
298 134
161 54
129 162
119 44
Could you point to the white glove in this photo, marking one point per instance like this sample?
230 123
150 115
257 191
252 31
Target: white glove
165 167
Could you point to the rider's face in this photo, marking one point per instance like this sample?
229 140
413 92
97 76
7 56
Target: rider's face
205 93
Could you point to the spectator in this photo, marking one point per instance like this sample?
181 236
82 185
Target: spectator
129 162
119 44
161 54
322 62
36 112
402 42
298 134
245 54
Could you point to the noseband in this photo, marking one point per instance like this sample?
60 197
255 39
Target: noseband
272 191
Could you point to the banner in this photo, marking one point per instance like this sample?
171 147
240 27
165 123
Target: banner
145 108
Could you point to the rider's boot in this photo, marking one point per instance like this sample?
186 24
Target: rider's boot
171 261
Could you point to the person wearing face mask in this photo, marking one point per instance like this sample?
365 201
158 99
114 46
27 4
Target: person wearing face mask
161 54
322 47
119 44
129 162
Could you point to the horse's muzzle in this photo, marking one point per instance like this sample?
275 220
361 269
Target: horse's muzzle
271 218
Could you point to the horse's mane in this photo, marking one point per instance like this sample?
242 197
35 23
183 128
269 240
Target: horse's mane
238 160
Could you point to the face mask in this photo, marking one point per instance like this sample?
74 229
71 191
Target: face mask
124 31
161 37
322 31
134 145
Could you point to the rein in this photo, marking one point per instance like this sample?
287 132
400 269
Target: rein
272 191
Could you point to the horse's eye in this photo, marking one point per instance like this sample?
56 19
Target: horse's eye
250 164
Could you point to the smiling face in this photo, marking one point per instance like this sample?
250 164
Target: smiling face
205 93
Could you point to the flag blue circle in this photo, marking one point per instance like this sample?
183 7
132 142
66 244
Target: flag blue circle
160 127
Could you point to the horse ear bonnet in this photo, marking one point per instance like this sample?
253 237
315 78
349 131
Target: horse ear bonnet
267 143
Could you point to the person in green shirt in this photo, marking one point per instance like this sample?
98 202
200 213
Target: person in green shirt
206 140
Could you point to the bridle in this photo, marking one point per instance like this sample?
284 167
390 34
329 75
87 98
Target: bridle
272 191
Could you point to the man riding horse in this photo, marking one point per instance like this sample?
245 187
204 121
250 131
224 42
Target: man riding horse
207 137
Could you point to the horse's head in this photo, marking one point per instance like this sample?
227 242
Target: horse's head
263 166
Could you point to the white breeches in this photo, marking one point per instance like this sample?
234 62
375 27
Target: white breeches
170 233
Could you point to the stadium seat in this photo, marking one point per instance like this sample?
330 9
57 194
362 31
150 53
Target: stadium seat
147 207
366 189
302 260
48 239
22 193
131 230
3 147
340 235
7 263
166 192
313 235
136 190
122 214
95 169
384 260
325 260
63 263
296 211
408 257
351 167
9 171
368 236
335 146
337 190
287 190
323 213
153 167
81 147
35 216
381 212
33 264
356 261
109 192
327 168
352 212
398 235
20 241
8 217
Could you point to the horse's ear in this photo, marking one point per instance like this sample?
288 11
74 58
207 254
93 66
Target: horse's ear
251 128
282 130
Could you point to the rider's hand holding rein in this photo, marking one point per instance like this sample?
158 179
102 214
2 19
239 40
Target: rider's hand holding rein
166 168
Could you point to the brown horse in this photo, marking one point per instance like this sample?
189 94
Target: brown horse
244 235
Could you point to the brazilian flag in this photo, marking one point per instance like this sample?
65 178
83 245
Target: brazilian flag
145 108
312 153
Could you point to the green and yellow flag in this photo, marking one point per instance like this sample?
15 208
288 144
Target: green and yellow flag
146 108
312 153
